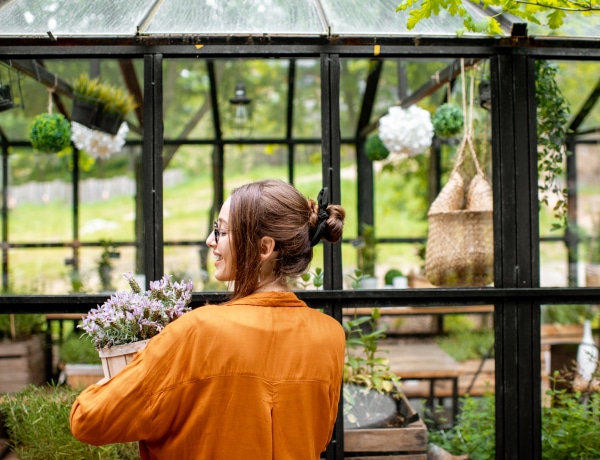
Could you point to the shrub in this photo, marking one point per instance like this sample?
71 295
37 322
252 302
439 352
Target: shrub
37 420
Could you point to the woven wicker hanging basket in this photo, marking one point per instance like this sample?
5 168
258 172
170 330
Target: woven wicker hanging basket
460 241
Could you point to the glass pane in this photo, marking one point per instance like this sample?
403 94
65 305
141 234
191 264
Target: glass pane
378 17
575 105
245 16
73 17
446 369
575 25
404 183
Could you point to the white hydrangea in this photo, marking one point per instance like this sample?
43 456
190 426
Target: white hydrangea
406 132
97 143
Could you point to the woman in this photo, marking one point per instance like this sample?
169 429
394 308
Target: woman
256 378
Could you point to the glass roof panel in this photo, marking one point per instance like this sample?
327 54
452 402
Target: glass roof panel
575 25
287 17
379 17
73 17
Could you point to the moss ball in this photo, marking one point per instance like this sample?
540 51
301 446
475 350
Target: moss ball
375 149
50 132
448 120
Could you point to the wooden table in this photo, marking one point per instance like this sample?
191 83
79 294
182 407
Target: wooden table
423 361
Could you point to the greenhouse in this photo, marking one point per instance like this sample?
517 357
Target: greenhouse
328 94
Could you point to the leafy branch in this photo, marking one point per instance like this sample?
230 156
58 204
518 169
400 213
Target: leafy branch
552 121
530 11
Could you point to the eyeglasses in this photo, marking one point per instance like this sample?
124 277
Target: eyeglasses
216 232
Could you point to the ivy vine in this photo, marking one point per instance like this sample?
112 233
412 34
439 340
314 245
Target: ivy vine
552 119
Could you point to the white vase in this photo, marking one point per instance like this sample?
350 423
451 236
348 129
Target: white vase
587 353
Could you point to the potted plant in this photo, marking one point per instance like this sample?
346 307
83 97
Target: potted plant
395 278
98 105
50 132
37 423
366 257
105 266
79 363
127 320
22 351
86 100
374 408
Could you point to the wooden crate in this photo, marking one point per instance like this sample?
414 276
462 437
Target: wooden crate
83 375
22 363
406 443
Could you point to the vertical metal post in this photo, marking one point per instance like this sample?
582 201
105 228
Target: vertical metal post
516 256
365 188
152 167
289 128
4 213
330 119
571 234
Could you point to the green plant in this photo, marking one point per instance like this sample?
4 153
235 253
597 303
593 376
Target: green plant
567 314
50 132
552 121
570 425
21 325
86 88
366 374
105 265
77 349
474 432
356 278
467 344
111 98
448 120
37 420
366 250
391 274
315 278
375 149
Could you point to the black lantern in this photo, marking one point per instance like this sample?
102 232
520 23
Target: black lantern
241 116
485 95
10 88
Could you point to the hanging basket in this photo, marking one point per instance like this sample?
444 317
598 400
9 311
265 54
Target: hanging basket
460 240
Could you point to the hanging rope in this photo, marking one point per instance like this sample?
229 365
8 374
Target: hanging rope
468 126
51 92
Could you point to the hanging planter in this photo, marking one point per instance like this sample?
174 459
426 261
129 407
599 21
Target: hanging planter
448 120
406 132
375 149
100 106
50 132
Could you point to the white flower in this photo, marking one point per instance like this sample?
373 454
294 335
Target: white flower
97 143
406 132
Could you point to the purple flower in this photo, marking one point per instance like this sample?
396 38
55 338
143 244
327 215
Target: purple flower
132 316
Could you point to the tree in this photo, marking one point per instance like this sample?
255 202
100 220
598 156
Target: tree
550 12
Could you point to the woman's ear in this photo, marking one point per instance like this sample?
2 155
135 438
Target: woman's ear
267 247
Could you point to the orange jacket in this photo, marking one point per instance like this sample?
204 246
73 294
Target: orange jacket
254 379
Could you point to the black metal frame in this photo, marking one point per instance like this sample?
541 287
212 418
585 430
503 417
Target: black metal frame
516 295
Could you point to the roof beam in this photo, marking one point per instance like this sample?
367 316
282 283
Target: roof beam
585 109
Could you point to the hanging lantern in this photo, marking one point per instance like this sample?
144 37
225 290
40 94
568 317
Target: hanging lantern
10 88
241 116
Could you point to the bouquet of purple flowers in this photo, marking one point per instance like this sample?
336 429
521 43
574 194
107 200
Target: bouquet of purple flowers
128 317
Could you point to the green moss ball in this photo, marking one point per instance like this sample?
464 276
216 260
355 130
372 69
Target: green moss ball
375 149
448 120
50 132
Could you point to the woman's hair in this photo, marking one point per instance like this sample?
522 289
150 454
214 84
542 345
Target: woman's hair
276 209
